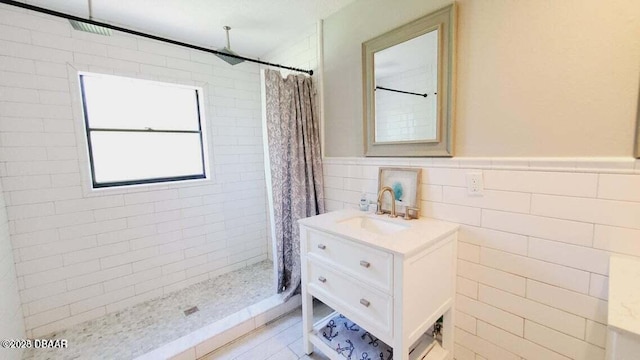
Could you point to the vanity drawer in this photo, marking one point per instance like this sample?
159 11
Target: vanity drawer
370 265
360 303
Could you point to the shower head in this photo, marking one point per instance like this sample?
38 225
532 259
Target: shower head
229 59
227 50
90 28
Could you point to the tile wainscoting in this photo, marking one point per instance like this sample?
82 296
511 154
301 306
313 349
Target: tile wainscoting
534 249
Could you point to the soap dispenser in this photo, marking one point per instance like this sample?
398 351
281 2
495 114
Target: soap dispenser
364 203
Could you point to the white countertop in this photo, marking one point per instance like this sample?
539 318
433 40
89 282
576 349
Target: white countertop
420 233
624 293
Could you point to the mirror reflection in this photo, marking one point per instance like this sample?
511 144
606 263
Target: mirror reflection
406 83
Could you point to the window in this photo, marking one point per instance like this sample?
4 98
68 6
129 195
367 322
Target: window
141 132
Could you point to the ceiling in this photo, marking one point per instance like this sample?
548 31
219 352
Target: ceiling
258 26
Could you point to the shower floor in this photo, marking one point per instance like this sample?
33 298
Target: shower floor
141 328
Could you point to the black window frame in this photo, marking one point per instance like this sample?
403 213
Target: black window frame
88 131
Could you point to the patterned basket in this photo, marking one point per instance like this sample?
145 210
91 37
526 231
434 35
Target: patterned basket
353 342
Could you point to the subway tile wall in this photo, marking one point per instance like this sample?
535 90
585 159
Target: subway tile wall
10 310
80 253
301 52
533 251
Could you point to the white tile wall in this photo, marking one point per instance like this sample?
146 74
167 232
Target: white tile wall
81 253
301 52
10 314
534 250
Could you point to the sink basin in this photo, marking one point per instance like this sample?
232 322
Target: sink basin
373 225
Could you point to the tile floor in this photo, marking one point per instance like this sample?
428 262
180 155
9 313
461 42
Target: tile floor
139 329
280 339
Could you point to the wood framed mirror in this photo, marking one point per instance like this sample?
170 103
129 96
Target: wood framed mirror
408 88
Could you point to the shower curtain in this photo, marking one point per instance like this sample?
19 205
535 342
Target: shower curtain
296 168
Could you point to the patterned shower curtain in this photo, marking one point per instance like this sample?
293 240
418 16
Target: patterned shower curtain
296 168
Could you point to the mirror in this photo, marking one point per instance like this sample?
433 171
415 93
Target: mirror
408 88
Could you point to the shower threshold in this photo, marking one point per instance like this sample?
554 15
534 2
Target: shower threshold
219 310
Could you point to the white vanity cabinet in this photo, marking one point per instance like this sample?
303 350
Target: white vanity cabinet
394 280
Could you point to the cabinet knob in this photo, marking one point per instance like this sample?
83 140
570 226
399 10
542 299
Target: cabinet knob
322 279
365 302
364 263
321 246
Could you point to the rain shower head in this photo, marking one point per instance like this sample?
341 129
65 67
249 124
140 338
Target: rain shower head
90 28
229 59
227 50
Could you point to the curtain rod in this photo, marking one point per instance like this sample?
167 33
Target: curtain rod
145 35
404 92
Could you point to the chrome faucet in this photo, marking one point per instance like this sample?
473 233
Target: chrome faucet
393 202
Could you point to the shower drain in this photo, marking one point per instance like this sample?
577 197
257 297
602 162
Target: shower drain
191 310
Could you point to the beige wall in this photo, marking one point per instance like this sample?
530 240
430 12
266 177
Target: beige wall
535 78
